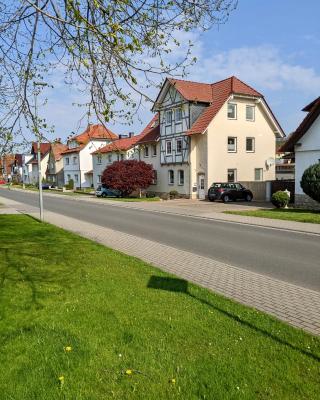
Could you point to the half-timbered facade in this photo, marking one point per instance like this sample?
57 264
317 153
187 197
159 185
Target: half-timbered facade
223 131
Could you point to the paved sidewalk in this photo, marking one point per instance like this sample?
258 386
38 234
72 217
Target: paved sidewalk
296 305
201 209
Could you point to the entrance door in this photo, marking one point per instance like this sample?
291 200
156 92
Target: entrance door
201 191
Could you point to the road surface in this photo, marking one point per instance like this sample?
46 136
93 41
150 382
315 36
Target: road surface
289 256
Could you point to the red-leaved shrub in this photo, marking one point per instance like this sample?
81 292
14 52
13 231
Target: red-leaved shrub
128 176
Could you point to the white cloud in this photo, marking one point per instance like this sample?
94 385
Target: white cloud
262 66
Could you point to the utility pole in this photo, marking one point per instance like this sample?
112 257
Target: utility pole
37 132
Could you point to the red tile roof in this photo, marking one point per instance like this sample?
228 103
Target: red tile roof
44 148
151 132
58 149
97 131
74 149
220 92
127 143
313 110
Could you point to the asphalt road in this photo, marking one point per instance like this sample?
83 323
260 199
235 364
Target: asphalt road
288 256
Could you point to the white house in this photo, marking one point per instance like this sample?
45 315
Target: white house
26 168
128 148
77 159
219 132
305 142
31 166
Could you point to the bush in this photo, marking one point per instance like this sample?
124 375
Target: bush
173 194
164 196
70 185
150 195
128 176
280 199
310 182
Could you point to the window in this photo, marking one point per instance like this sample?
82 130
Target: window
68 177
76 178
258 174
122 156
146 151
168 147
178 114
75 160
181 177
170 177
99 179
250 148
232 111
232 144
155 177
99 159
179 146
109 158
168 117
154 150
250 113
67 161
232 175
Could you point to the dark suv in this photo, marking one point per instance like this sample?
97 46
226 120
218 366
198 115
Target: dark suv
229 192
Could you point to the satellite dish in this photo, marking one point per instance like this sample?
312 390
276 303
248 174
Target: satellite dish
270 162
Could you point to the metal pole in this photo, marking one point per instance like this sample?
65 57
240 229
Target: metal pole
39 161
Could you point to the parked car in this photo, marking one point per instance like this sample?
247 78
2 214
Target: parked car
2 182
229 192
103 191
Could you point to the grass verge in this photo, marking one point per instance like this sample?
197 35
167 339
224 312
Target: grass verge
134 331
290 214
132 199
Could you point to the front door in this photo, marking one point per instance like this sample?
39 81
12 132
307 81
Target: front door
201 191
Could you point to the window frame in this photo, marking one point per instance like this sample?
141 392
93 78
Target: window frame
254 113
67 161
167 142
168 112
154 150
235 175
254 144
235 142
146 153
261 175
155 177
74 160
76 180
169 173
236 111
99 159
180 183
109 158
99 178
181 141
178 121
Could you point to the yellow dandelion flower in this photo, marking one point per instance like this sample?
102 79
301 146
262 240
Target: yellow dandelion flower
129 372
68 348
61 379
172 380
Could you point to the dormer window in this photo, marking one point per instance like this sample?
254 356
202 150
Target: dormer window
168 117
232 111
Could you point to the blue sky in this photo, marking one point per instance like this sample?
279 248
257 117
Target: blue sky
272 45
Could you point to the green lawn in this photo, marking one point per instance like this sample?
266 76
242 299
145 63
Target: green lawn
120 315
290 214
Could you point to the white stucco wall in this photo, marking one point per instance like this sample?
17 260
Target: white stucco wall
307 153
219 160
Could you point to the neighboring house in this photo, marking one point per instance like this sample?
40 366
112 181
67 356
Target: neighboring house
55 172
26 168
6 162
17 168
223 131
32 164
128 148
77 160
305 143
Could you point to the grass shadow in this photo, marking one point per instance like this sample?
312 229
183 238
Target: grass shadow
181 285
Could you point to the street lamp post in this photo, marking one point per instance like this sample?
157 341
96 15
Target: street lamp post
37 132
